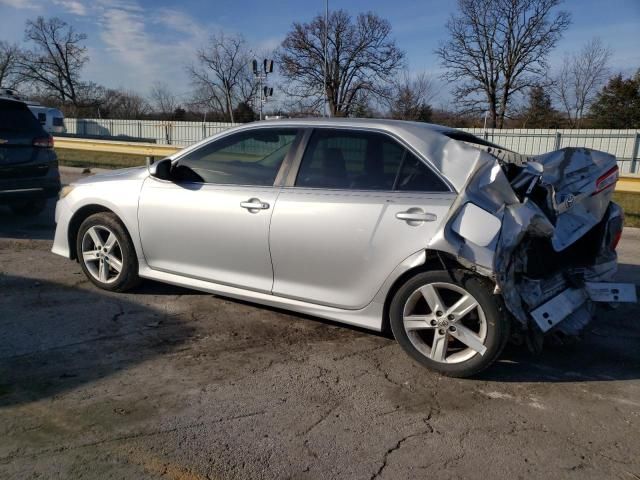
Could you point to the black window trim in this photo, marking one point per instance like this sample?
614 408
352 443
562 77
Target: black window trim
302 148
280 175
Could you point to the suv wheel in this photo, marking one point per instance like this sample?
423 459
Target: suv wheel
29 208
453 326
106 253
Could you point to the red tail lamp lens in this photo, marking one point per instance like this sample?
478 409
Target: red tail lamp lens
607 180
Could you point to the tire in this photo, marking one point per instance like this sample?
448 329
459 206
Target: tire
30 208
114 269
435 339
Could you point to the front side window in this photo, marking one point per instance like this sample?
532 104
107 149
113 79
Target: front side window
343 159
246 158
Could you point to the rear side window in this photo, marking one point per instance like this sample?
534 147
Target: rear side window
58 122
415 176
42 118
246 158
16 117
355 160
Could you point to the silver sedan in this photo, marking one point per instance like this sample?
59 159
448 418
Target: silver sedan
450 242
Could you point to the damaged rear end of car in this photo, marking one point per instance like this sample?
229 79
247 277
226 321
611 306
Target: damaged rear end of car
545 230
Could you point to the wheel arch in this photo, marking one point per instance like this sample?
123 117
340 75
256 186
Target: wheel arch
80 216
435 260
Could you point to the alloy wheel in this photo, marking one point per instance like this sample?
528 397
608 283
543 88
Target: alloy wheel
102 254
445 323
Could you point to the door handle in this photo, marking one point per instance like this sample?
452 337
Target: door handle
415 216
254 204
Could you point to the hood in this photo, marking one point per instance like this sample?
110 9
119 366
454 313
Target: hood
132 173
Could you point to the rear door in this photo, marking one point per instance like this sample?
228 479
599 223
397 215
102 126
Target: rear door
359 205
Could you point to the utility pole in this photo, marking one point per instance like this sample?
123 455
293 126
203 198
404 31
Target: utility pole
260 75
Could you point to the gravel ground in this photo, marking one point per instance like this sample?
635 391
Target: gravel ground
176 384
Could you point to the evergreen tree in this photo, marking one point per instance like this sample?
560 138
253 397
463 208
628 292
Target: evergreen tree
539 113
618 104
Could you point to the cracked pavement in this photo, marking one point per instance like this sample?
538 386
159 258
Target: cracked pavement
177 384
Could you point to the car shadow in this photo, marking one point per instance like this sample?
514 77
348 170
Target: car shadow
38 227
608 350
151 287
56 338
602 355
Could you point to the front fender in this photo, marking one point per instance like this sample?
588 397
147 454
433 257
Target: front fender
121 198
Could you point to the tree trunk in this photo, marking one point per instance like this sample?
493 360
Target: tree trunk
493 113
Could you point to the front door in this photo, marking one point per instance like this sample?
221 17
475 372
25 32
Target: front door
211 221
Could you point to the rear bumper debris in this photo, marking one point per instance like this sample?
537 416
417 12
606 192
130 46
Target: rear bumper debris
558 230
554 311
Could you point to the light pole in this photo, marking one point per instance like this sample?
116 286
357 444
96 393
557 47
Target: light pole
327 110
261 76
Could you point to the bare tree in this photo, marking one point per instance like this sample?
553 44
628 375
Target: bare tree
57 57
580 78
361 57
498 48
122 104
222 77
411 97
9 54
163 100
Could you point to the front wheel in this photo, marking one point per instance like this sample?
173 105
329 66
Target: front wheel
454 326
106 253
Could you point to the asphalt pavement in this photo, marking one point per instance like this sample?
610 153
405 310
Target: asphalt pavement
171 383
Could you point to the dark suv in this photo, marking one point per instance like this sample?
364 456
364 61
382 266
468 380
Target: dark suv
28 164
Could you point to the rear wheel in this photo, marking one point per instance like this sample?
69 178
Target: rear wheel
106 253
453 326
29 208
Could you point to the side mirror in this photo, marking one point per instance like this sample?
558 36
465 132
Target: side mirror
161 169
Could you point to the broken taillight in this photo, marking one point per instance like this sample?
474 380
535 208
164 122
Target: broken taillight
43 142
609 178
616 240
619 226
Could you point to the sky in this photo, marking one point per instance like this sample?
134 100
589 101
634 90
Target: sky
134 43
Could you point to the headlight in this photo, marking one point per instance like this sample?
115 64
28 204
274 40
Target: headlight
66 190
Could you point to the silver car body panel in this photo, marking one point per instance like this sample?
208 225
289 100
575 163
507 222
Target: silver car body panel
201 231
336 254
336 247
118 191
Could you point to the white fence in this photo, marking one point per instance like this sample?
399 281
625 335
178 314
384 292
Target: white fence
161 132
624 144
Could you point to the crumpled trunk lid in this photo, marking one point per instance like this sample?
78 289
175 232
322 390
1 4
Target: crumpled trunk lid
548 209
579 184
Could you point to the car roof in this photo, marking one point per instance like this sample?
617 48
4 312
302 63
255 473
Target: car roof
11 99
377 123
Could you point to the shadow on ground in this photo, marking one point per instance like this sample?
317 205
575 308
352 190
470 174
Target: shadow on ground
39 227
608 351
55 339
